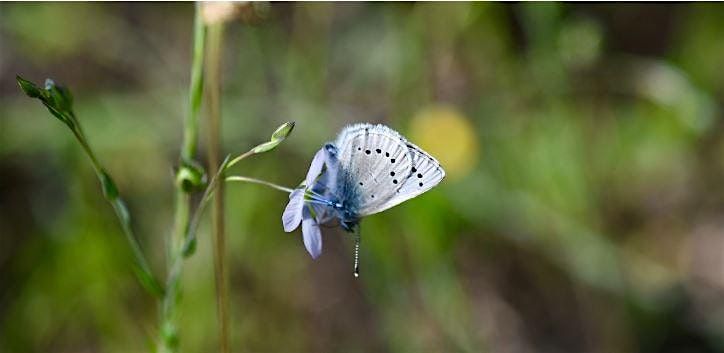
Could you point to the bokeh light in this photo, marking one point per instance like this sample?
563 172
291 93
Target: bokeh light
445 133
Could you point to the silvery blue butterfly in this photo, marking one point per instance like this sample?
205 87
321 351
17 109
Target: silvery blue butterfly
366 170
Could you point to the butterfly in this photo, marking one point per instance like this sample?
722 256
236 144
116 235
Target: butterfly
367 169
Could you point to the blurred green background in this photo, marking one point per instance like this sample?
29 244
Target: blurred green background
582 210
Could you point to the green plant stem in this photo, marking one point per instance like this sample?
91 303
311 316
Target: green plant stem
190 238
193 227
215 34
143 270
196 88
258 181
239 158
168 342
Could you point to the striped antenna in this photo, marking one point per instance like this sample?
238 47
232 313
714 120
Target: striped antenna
356 250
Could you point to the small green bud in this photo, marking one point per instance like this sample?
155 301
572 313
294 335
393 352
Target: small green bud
191 176
277 137
283 131
60 95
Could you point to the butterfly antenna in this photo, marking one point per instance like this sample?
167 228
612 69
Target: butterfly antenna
356 250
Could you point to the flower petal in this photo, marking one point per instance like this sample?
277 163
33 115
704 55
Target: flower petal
316 168
292 215
312 237
330 175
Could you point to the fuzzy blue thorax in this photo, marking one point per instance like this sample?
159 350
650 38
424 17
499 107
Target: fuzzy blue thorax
341 188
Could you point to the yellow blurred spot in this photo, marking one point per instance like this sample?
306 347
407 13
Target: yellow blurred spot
448 136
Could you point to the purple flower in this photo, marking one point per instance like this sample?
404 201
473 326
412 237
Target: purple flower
310 204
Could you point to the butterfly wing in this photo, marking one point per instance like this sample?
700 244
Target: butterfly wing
374 161
382 169
425 173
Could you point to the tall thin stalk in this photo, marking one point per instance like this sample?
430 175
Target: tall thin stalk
215 35
189 179
169 337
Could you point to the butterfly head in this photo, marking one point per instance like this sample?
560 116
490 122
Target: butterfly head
347 219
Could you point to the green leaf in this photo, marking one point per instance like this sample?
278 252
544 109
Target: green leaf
110 191
148 281
29 88
190 247
281 133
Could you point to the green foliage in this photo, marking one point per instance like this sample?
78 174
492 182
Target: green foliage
59 102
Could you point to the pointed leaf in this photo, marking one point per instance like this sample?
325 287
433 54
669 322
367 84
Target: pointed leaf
110 191
29 88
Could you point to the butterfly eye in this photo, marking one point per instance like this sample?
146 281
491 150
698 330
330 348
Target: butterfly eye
392 173
368 151
420 184
419 175
387 154
392 160
414 169
378 151
394 181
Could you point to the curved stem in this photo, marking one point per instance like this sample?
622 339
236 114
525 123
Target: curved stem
257 181
239 158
